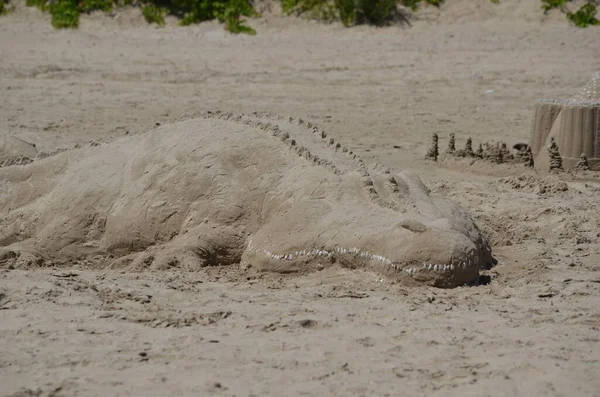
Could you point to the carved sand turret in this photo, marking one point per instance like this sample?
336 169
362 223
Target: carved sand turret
554 154
528 157
479 152
506 154
469 148
467 151
498 154
583 163
433 151
451 144
575 125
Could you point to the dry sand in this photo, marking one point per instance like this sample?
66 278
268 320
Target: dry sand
474 70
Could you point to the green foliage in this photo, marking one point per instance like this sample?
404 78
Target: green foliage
228 12
585 16
154 14
2 8
288 5
548 5
375 12
86 6
65 14
232 13
349 12
325 10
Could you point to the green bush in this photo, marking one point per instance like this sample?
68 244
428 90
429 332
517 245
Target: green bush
86 6
288 5
65 14
548 5
154 14
585 16
2 8
375 12
324 10
228 12
352 12
349 12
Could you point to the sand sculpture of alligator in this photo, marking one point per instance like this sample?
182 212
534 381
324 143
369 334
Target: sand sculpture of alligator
275 193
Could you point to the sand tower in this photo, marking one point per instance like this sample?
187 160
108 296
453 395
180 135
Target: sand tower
575 125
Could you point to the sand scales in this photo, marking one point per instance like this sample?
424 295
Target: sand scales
573 123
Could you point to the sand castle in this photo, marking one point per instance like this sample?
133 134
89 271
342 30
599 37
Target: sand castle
573 123
433 151
451 144
495 152
554 156
583 163
274 193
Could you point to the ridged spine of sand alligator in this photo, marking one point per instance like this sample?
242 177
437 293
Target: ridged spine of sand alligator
328 141
24 160
273 127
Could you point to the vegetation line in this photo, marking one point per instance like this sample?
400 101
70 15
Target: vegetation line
232 13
